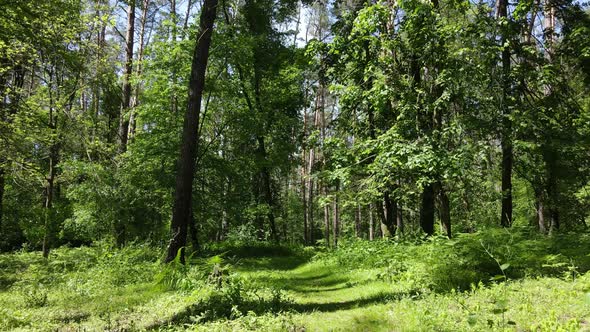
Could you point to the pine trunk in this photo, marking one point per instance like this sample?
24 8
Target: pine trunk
188 151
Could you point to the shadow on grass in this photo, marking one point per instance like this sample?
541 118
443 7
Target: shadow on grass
378 298
282 263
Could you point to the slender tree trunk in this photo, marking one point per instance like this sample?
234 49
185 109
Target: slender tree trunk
126 99
371 224
50 190
427 210
187 15
506 140
326 218
399 221
138 70
188 151
267 189
2 186
540 207
550 154
357 221
335 219
2 159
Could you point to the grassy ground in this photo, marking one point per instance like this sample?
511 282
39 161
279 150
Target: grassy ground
491 281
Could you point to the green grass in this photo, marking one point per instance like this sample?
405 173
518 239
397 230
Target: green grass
491 281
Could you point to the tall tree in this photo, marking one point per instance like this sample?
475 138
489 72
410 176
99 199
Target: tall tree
186 162
506 127
127 72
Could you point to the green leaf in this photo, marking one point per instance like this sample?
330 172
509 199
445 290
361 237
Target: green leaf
504 266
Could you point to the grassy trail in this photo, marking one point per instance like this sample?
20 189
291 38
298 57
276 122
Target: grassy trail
357 288
327 298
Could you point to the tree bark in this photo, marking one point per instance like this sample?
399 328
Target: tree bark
371 224
550 154
335 219
326 218
2 186
540 209
427 210
126 98
357 221
399 221
506 139
138 70
444 209
188 150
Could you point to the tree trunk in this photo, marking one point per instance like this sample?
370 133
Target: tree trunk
126 98
2 185
444 209
335 219
399 221
388 216
357 221
188 150
550 154
138 70
326 218
427 210
540 207
506 140
371 224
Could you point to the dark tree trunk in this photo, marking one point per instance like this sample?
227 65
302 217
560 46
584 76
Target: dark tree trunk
266 190
335 219
444 209
552 194
326 218
427 210
188 150
389 213
49 195
506 141
371 224
2 185
399 221
192 228
126 98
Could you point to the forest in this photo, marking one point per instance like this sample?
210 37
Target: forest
294 165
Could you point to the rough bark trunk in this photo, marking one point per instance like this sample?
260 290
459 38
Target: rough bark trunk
444 209
506 139
188 150
427 210
126 98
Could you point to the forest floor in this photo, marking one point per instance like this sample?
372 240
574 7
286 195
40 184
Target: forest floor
362 287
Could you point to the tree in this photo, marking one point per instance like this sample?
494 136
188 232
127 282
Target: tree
186 162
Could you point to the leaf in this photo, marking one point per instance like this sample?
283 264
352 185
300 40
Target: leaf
504 266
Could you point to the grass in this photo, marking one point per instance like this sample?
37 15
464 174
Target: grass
492 281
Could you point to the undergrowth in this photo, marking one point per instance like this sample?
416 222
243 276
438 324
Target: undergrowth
494 279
